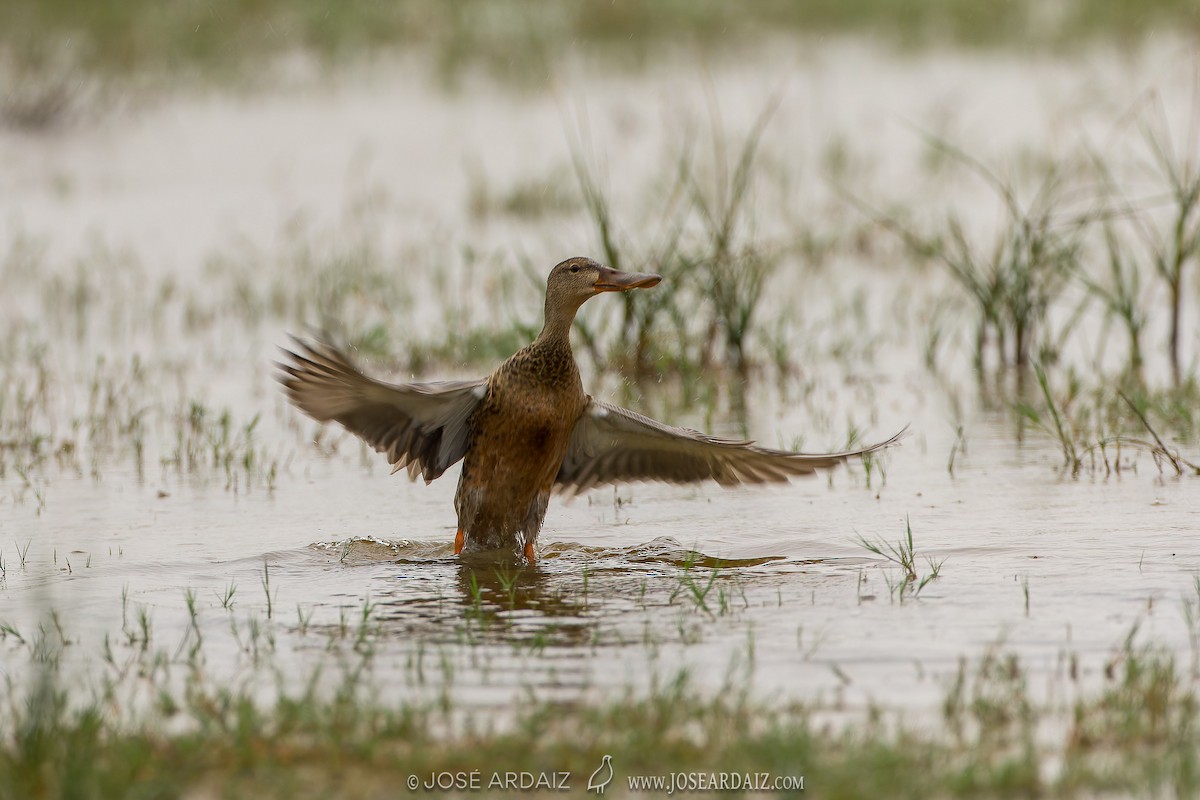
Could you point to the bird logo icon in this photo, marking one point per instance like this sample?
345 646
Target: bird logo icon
602 776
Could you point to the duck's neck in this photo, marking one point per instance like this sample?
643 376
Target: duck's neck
557 329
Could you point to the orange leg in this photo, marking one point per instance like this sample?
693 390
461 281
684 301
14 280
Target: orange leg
530 556
459 541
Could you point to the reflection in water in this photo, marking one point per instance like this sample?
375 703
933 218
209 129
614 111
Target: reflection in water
560 602
524 603
505 586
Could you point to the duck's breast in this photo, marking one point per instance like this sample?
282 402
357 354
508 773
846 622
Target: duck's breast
519 436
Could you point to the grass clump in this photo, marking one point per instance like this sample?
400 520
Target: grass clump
709 318
1103 428
1012 283
903 554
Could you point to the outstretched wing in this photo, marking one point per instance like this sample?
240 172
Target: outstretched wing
613 445
421 426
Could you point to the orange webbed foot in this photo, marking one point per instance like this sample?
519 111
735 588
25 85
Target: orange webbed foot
530 556
459 542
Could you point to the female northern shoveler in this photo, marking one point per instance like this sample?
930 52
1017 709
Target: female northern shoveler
528 429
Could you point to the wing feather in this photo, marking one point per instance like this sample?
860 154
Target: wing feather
614 445
419 426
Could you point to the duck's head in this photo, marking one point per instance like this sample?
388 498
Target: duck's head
575 280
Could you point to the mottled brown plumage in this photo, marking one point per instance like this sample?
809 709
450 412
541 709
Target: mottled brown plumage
528 429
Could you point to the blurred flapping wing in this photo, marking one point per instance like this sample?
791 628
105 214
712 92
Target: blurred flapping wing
421 426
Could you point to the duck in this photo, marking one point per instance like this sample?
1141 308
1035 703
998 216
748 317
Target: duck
528 430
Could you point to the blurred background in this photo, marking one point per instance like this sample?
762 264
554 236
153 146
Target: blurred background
289 106
284 162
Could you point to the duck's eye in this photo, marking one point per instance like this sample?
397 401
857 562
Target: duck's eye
575 268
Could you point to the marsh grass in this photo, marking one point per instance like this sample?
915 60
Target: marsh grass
183 719
708 319
704 223
1121 296
1175 247
903 554
642 314
1159 449
42 91
150 727
23 552
1101 429
528 199
1012 282
205 441
698 589
515 40
1083 237
1071 455
76 395
735 265
958 448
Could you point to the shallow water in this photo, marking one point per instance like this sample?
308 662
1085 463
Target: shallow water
606 607
625 592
